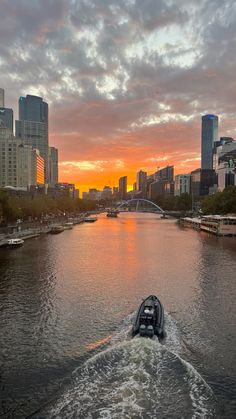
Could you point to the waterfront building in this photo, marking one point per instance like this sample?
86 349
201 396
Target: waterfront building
226 175
209 136
61 190
224 149
141 183
38 168
167 174
225 162
2 98
202 180
123 187
106 193
8 158
25 166
160 188
182 184
76 193
94 194
53 166
32 126
85 195
115 192
30 167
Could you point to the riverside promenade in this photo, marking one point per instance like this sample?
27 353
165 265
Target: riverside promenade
29 229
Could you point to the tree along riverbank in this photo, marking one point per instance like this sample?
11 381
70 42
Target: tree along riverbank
30 208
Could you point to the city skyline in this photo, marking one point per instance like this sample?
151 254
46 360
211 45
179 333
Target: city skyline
127 92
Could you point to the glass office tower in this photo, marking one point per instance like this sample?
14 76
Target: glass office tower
32 126
209 136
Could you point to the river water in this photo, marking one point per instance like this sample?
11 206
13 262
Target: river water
67 305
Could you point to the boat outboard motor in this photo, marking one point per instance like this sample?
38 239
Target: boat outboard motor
142 330
150 331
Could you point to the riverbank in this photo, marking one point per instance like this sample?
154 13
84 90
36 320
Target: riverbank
29 230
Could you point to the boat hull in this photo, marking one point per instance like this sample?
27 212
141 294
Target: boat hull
13 243
57 230
150 319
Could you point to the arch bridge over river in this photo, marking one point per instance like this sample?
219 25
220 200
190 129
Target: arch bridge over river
140 205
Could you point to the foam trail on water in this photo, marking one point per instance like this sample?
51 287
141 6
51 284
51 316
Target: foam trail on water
136 378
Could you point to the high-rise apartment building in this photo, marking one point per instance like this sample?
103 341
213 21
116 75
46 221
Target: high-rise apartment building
30 167
209 136
123 187
182 184
32 126
53 166
8 158
141 182
2 101
202 181
167 174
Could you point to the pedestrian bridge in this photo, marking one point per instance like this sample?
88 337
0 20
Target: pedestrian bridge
140 205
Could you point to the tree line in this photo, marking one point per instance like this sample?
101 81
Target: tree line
221 202
14 207
19 207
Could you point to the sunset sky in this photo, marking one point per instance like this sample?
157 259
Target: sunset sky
126 80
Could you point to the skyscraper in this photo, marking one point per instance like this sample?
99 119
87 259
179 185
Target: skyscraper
167 174
8 158
2 102
53 166
209 136
123 187
141 182
6 114
32 126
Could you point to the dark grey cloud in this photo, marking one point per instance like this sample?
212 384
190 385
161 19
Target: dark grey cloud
109 67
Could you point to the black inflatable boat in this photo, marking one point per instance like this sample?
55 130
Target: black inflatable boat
150 318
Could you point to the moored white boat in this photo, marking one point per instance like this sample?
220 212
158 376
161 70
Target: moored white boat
13 243
68 226
57 229
90 219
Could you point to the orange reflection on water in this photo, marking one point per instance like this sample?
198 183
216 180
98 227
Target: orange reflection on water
97 343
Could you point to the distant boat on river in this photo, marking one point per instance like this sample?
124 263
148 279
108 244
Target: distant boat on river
113 213
90 219
57 229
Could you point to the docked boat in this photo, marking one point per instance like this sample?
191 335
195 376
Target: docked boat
57 229
112 213
68 226
90 219
150 318
13 243
220 225
189 222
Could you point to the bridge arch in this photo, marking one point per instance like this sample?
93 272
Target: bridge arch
137 200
